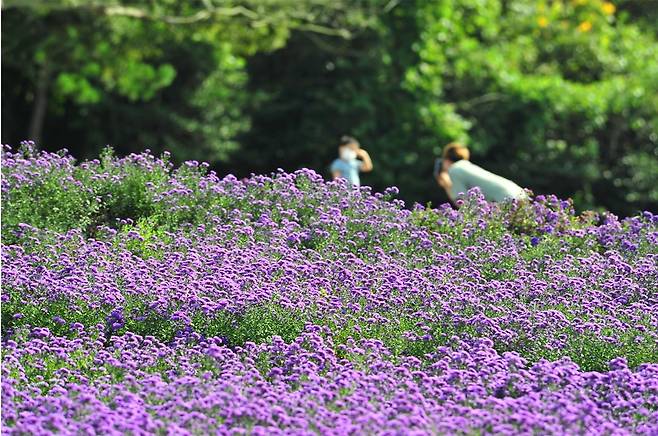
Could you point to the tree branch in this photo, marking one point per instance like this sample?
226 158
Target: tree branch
482 99
208 13
316 28
203 15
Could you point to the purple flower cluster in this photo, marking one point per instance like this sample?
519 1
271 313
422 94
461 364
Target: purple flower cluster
138 385
286 304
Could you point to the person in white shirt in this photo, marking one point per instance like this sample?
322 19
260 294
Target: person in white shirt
456 174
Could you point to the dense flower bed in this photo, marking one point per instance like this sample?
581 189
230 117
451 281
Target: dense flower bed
141 298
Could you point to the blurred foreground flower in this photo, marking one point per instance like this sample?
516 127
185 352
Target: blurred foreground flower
585 26
608 8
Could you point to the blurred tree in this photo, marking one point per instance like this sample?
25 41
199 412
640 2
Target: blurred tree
559 95
317 90
164 74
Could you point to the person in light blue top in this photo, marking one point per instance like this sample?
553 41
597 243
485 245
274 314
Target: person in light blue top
352 159
456 174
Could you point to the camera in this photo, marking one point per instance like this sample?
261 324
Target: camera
438 166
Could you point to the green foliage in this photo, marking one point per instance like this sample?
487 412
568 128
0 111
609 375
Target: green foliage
48 211
50 202
130 196
259 324
400 333
541 83
56 315
167 74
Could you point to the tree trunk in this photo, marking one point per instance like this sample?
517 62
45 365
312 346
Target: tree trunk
40 104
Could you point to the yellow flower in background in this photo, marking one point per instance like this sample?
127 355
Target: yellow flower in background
585 26
542 21
608 8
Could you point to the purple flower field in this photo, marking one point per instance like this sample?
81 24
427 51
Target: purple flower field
139 298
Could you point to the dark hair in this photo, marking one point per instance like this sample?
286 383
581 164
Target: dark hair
455 152
347 140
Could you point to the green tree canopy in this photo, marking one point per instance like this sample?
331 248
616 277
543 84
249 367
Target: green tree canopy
558 95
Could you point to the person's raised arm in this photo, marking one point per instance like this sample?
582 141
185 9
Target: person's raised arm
444 181
367 162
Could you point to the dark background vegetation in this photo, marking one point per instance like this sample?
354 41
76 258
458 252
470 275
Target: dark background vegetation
559 95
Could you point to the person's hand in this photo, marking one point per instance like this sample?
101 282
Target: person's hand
365 157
